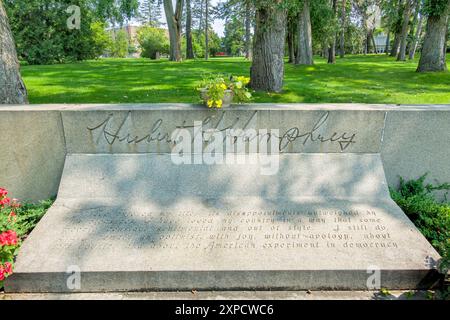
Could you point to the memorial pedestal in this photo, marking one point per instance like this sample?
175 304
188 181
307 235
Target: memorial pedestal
134 222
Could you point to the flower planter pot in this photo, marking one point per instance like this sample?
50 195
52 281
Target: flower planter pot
227 99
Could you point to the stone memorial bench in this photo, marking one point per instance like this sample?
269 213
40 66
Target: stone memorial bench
315 213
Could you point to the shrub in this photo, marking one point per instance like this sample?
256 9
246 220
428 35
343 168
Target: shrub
101 39
16 222
119 45
9 240
41 33
430 216
153 42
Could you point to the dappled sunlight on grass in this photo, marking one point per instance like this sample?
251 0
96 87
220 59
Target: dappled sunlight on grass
365 79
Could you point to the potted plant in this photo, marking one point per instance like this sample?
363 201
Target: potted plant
219 91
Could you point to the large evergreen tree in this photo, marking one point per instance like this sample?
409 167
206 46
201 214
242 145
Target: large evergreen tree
150 12
241 14
234 36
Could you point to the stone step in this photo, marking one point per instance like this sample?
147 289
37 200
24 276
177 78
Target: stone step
140 222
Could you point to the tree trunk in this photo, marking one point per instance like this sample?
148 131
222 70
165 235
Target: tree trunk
404 32
290 40
433 57
247 29
174 25
325 51
12 88
304 36
200 18
416 39
395 45
372 39
189 48
366 43
397 31
412 29
343 26
366 33
388 42
332 48
446 37
206 29
267 70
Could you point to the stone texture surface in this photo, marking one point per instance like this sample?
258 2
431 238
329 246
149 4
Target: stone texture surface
32 153
150 130
415 143
153 225
139 177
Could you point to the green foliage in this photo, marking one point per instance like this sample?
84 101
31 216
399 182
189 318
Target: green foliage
354 39
43 37
198 43
431 217
214 87
235 13
392 15
152 41
234 37
29 214
100 38
9 241
16 221
435 8
324 24
119 45
115 11
212 90
41 33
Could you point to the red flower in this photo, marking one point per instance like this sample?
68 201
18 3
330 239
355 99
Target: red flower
14 203
2 273
8 238
8 268
3 192
4 201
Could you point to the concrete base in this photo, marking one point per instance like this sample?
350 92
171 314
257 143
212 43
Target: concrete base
224 295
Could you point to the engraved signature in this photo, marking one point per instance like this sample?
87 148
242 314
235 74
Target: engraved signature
155 133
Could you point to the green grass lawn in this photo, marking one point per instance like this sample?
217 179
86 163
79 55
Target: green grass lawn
369 79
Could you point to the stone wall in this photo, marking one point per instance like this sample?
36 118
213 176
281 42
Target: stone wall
412 140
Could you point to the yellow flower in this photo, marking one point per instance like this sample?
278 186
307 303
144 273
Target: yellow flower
210 103
239 84
223 86
244 80
219 103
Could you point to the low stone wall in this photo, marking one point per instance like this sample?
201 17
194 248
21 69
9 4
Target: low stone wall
412 140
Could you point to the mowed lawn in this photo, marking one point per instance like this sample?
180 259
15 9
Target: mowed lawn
369 79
